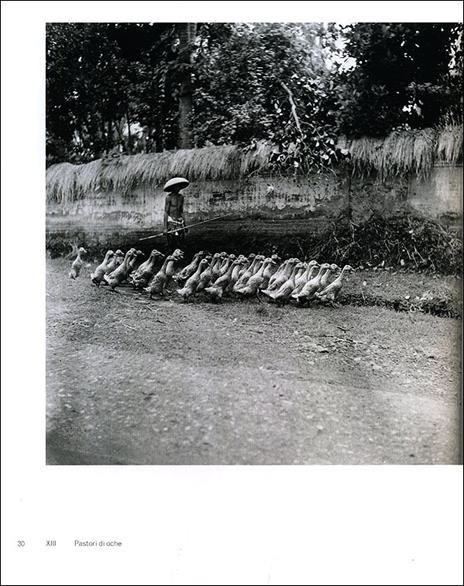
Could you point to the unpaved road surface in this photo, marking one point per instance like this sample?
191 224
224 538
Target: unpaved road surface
131 381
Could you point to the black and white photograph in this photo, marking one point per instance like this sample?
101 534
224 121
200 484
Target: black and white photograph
232 252
253 243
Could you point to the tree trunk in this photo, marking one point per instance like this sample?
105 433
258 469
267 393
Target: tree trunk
187 32
129 135
118 138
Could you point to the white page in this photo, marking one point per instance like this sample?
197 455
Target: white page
183 524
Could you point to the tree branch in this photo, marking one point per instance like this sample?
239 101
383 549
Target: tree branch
292 104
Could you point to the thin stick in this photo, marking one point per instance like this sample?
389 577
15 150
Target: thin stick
186 227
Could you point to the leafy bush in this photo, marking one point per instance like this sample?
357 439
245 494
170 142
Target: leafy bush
406 241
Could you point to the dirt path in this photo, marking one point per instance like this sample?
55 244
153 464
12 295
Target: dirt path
138 382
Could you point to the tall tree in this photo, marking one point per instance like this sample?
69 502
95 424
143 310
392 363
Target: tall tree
187 35
401 75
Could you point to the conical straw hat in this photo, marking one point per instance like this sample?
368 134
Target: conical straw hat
176 182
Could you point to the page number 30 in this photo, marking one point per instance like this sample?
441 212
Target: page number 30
20 543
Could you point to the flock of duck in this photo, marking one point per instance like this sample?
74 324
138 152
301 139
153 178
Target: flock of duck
220 274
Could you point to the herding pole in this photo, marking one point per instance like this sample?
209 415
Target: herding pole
186 227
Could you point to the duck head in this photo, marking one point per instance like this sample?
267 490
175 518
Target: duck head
155 254
203 264
82 250
348 268
119 253
266 266
241 260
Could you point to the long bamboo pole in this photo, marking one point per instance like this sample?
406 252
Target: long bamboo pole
185 227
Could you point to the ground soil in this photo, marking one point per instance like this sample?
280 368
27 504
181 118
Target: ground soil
134 381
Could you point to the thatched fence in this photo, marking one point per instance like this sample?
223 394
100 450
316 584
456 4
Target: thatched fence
407 151
400 153
66 182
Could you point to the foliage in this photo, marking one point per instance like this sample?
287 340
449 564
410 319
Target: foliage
118 88
405 241
401 77
269 82
101 79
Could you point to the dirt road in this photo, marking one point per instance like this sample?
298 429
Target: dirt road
131 381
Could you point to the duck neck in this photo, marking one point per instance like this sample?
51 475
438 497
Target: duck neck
280 269
294 272
198 271
258 266
287 271
165 264
269 270
231 268
195 261
311 272
326 275
319 274
236 270
216 263
262 268
169 270
225 266
300 272
151 261
127 259
343 273
252 266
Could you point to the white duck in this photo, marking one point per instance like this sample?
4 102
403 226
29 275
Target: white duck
311 286
331 292
98 275
77 264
